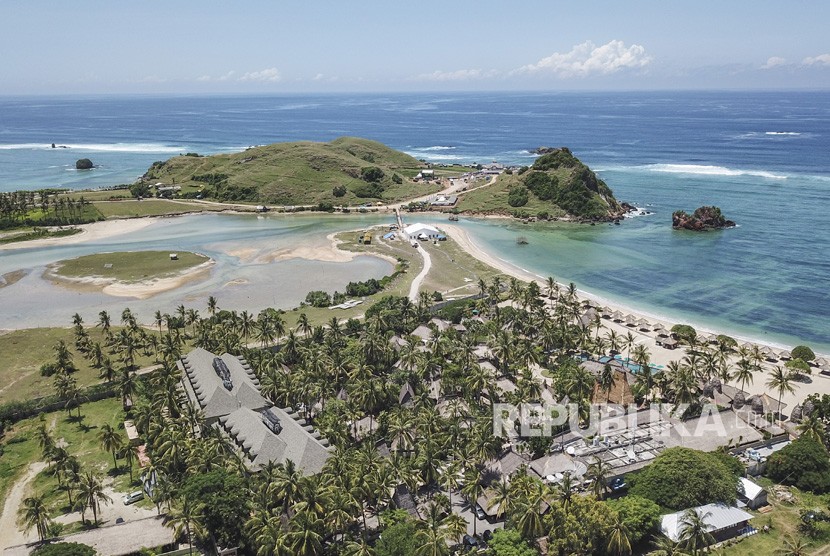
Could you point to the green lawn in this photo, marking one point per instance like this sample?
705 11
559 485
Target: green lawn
129 266
149 207
783 522
450 266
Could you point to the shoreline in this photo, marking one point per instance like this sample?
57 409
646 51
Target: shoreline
93 231
143 289
464 240
330 252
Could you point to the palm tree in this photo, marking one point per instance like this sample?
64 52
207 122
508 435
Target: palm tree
694 533
187 519
619 543
91 494
813 427
111 441
599 471
793 546
472 489
211 305
664 546
35 515
781 379
744 373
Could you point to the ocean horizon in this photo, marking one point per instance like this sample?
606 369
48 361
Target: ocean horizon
760 156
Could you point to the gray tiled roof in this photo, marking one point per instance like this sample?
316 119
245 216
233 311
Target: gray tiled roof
297 440
212 396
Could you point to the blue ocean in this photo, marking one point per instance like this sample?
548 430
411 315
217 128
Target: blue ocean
761 156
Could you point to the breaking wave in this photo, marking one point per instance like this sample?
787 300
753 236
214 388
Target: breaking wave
98 147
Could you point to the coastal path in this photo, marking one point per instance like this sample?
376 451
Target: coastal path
10 535
416 283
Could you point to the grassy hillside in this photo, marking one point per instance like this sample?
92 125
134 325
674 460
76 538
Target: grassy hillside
299 173
557 185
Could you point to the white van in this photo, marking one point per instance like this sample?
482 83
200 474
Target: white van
133 497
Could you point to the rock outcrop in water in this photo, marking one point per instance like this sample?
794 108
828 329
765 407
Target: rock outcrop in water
701 220
84 164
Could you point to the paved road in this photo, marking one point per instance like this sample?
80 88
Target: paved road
416 283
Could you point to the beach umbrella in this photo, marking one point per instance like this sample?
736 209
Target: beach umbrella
617 316
784 354
630 320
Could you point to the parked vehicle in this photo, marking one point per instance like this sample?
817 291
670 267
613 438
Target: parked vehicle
133 497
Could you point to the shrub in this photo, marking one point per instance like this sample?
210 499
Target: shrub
64 549
325 206
517 196
140 190
396 178
371 174
804 353
339 190
318 298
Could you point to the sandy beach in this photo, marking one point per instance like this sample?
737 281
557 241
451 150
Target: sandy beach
89 232
819 383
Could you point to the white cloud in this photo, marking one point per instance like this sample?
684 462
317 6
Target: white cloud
270 74
774 62
225 77
588 59
457 75
820 60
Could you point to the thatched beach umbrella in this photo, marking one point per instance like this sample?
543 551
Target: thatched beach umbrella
630 320
784 354
644 325
739 400
617 316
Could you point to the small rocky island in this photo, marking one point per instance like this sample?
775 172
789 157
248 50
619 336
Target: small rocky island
701 220
84 164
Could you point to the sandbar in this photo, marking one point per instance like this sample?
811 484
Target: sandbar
143 289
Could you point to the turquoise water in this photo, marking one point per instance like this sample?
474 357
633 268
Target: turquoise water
715 280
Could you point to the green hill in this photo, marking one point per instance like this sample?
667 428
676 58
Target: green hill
557 185
347 170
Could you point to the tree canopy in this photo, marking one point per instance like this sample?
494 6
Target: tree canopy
804 463
704 477
640 516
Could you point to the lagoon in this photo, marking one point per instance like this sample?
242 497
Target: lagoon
244 277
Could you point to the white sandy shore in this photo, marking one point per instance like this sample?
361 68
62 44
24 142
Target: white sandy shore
137 290
89 232
659 355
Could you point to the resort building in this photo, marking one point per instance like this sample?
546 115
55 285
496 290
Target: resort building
227 391
723 522
421 231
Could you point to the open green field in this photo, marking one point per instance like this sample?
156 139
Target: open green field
129 266
451 265
149 207
493 199
24 351
80 437
783 522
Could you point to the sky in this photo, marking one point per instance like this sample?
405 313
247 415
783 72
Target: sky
211 46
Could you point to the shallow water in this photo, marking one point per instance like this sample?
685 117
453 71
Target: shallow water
238 282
